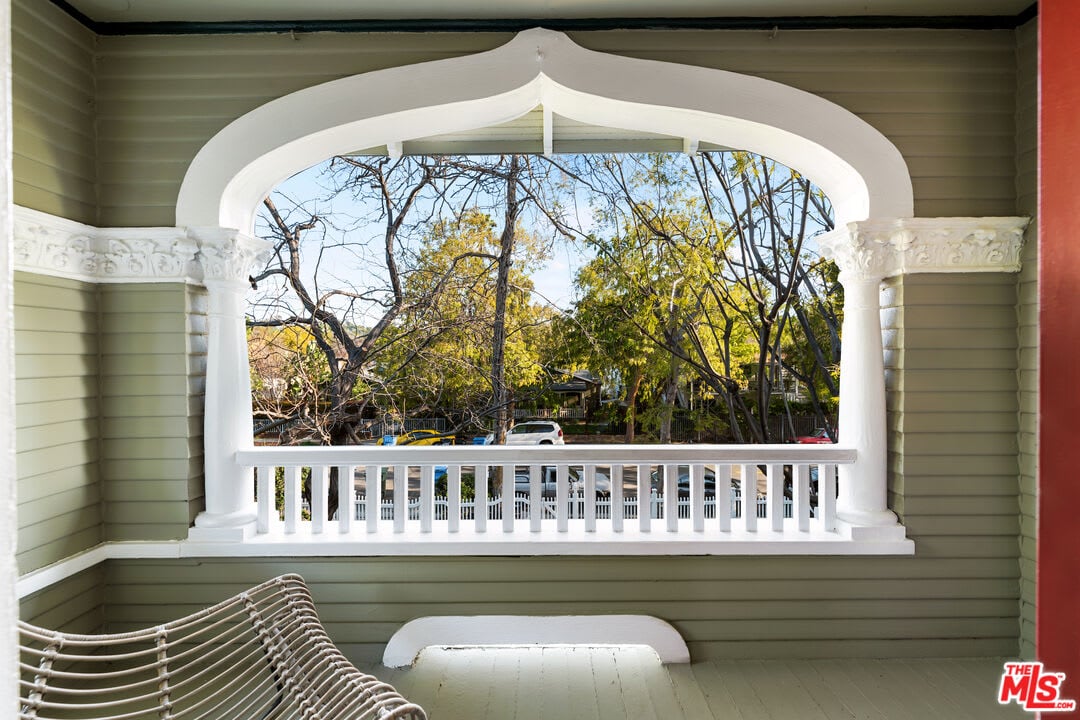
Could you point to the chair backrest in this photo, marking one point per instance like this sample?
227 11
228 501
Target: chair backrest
262 654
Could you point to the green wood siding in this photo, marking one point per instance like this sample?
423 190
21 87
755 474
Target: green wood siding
56 418
725 607
1028 317
74 605
53 95
153 364
945 98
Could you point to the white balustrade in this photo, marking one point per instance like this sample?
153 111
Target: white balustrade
583 493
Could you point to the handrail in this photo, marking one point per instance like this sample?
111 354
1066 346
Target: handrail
306 455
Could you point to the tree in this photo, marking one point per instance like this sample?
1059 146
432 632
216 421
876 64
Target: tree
714 248
453 372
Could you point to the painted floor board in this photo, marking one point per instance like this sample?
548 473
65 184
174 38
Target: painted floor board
830 704
605 677
781 692
629 683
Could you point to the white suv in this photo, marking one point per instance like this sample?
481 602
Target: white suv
535 432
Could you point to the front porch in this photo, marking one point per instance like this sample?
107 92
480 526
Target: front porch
629 683
121 440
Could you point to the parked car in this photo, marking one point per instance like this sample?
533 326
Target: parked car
417 437
818 437
657 482
549 476
535 432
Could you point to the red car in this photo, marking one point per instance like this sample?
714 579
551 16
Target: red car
820 437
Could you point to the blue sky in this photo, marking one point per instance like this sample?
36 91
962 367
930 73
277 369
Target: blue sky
362 266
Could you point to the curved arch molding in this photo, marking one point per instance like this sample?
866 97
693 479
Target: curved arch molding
479 630
860 170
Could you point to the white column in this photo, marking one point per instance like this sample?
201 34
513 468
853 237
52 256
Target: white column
227 258
863 485
867 252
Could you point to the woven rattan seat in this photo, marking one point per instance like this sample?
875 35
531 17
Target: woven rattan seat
262 655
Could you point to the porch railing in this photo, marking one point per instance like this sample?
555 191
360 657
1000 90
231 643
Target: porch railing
558 491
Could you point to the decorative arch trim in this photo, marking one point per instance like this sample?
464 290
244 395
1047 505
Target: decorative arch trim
861 171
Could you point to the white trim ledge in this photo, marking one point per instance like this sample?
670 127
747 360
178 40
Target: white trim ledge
50 245
514 630
847 540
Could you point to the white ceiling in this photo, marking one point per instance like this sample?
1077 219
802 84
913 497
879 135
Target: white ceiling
284 10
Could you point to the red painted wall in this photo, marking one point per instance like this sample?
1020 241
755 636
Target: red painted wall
1058 580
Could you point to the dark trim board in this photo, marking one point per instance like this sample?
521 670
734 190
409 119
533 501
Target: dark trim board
862 22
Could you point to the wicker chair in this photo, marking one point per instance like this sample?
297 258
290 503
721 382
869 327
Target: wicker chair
262 655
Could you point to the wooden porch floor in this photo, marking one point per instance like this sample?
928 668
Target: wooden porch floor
579 683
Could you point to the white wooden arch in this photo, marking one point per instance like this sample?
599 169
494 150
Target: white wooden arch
861 171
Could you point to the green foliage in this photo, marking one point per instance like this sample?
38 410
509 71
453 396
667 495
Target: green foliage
451 367
701 279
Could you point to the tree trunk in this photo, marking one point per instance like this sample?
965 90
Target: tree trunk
631 402
669 396
500 392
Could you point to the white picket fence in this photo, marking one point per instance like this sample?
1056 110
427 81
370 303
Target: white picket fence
575 507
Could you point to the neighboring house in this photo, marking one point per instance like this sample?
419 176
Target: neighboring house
139 149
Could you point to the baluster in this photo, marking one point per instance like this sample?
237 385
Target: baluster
644 499
724 496
480 504
265 498
616 497
749 497
427 497
590 498
697 497
508 494
562 490
800 496
373 496
775 497
401 497
320 486
292 499
827 496
671 497
453 499
345 508
536 500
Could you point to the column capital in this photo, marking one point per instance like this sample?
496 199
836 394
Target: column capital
875 249
226 254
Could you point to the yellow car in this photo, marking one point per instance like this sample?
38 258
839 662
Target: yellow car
417 437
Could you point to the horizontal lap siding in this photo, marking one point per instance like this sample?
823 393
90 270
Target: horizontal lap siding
153 369
724 607
1028 315
952 417
54 156
945 98
56 418
74 605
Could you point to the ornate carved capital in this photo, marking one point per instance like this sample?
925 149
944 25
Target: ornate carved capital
228 255
49 245
876 249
